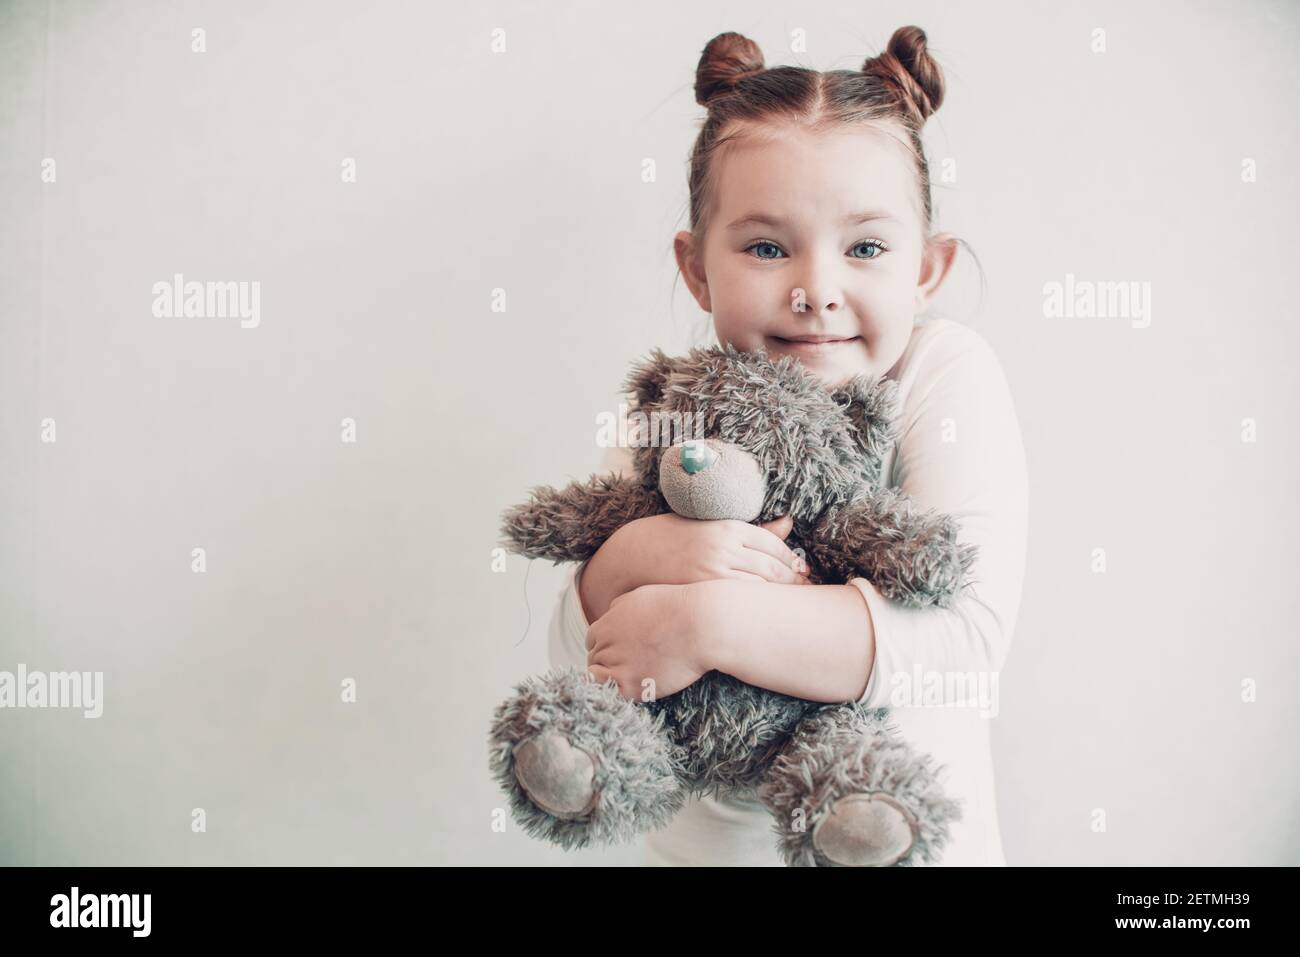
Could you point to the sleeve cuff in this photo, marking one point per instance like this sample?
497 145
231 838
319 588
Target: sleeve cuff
568 632
875 695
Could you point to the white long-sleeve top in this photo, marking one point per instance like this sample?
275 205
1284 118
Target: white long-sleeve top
960 452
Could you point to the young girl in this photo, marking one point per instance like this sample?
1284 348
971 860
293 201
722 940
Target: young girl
811 236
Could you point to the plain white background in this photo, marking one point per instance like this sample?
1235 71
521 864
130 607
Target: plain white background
522 171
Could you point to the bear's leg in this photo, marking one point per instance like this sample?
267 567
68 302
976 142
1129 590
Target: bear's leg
848 792
581 764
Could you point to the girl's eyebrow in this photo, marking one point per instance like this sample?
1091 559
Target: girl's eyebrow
764 219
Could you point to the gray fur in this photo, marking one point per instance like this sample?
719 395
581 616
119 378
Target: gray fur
911 558
570 524
852 750
638 766
821 451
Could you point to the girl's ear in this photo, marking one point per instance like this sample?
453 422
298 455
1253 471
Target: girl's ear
937 258
647 378
688 263
871 403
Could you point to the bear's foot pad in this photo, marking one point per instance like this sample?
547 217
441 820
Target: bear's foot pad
866 830
557 776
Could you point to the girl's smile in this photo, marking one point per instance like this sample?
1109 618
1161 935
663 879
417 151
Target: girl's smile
805 346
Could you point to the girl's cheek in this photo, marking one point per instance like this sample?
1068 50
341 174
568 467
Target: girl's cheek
741 334
761 295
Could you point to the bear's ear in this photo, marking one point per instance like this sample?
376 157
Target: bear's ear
647 378
871 403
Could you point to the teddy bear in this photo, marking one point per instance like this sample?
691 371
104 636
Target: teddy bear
582 765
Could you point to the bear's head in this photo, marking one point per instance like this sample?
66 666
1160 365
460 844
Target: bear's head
729 434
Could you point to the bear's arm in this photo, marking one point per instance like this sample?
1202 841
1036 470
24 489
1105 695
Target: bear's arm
912 557
569 524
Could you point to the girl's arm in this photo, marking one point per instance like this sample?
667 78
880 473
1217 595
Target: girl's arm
809 641
960 451
567 634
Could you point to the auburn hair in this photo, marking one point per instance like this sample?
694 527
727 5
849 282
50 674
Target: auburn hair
903 85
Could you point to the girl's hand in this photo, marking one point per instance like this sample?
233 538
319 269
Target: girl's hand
681 551
670 550
653 632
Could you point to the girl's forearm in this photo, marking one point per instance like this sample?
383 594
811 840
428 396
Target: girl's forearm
602 579
808 641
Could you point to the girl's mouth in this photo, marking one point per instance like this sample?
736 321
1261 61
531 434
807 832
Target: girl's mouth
812 348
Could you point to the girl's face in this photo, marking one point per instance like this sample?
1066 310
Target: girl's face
830 222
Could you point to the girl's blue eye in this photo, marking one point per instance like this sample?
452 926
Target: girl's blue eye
874 244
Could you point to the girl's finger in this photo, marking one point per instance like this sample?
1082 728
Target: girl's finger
768 568
780 527
760 539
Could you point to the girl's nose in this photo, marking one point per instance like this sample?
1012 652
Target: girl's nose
813 307
816 298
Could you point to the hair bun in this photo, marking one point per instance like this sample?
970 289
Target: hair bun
908 66
727 59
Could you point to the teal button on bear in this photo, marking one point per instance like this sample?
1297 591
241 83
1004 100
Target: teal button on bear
697 456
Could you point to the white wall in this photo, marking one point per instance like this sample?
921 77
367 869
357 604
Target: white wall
521 171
